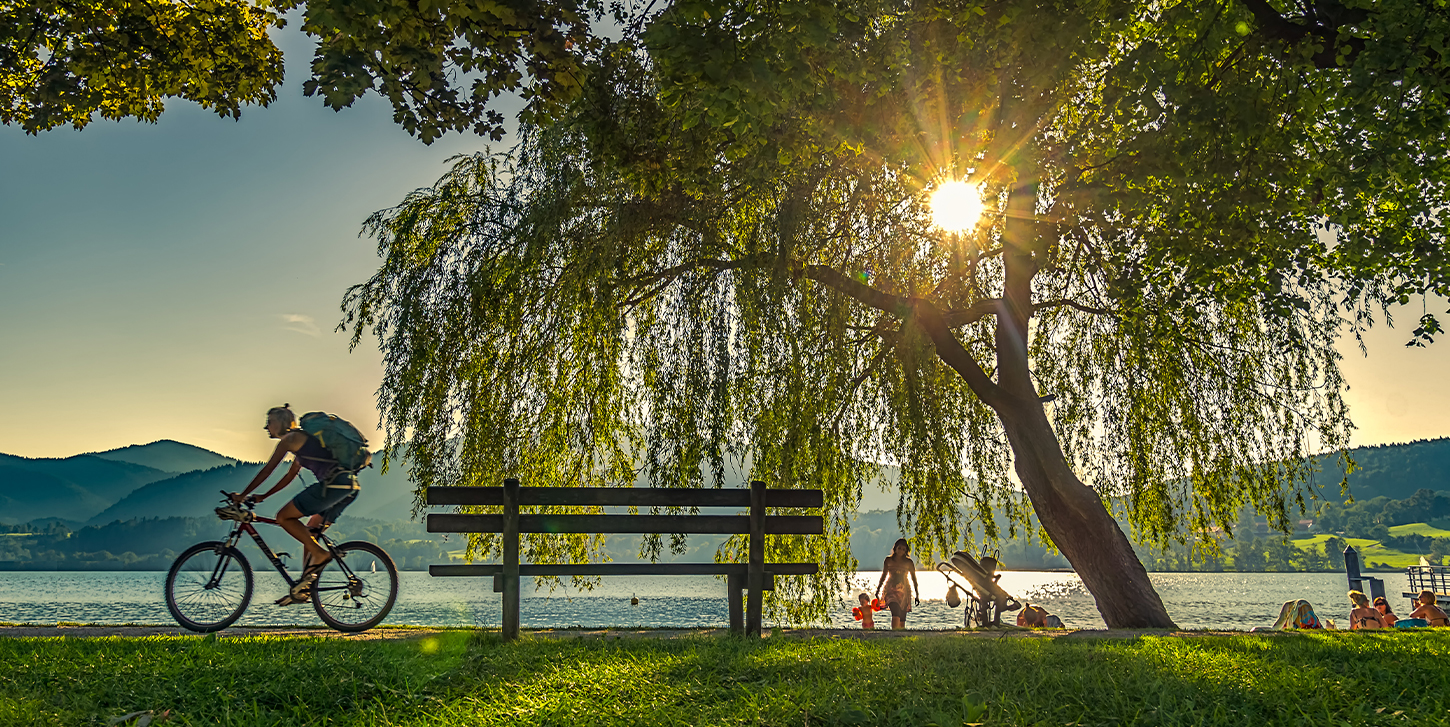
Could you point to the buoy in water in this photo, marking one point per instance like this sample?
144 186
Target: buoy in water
634 600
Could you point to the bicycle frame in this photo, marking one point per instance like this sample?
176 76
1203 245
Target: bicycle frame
248 528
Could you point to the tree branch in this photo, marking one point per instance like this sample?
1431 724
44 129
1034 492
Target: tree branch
1324 29
924 315
1059 302
953 354
861 292
661 279
976 312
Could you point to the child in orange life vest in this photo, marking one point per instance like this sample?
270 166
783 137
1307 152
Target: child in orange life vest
865 612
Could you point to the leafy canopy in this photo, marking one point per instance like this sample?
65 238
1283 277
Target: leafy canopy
720 251
439 63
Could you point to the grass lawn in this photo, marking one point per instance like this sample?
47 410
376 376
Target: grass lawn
1419 529
1369 550
459 678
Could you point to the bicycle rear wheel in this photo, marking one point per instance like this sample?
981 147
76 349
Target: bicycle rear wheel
357 588
208 587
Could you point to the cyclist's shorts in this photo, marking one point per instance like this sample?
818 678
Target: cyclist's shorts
329 501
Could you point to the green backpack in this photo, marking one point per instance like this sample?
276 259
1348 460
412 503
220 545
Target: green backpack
342 440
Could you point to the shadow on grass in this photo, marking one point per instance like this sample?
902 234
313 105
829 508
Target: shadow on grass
474 679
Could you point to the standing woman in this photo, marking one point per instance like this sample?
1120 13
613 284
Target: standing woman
899 594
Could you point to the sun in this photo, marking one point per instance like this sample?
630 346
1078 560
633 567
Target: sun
956 206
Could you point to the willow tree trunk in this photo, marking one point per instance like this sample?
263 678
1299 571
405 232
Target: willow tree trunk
1079 524
1072 513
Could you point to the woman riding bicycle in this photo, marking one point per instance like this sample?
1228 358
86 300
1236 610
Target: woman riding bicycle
323 500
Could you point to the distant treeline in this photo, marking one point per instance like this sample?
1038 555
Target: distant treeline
1373 518
152 543
1254 551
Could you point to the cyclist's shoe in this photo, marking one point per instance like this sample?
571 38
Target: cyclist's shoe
292 600
302 591
232 511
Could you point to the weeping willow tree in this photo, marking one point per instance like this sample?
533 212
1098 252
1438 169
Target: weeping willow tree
724 252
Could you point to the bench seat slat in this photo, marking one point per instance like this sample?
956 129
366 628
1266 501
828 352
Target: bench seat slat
688 524
624 496
622 569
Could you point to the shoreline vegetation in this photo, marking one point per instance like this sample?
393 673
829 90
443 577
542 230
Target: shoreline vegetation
464 677
151 544
1389 534
71 526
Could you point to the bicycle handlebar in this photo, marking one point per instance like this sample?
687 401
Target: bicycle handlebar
250 500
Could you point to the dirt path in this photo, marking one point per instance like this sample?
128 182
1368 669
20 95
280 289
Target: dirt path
85 631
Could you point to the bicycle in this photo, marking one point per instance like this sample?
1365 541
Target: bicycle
210 584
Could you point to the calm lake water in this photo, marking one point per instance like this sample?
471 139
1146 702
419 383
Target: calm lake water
1195 600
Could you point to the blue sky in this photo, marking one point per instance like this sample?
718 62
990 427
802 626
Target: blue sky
175 280
172 281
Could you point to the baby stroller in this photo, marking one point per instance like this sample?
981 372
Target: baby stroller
986 601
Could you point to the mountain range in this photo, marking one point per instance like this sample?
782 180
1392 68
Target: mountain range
1395 471
161 479
174 479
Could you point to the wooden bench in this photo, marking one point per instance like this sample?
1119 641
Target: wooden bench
754 576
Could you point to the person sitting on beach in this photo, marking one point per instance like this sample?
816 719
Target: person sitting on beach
1032 617
899 593
1383 606
1433 614
1363 616
866 614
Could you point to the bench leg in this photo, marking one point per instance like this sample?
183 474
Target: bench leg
736 587
755 568
510 630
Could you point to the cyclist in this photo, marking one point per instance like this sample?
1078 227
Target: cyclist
322 501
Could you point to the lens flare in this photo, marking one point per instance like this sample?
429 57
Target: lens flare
956 206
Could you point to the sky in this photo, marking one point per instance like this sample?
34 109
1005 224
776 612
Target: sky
175 280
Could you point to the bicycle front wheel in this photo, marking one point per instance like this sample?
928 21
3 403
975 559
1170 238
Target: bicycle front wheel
208 587
357 588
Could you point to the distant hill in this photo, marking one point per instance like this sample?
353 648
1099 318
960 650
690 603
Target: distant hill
196 494
192 494
1395 471
168 456
385 497
26 495
80 486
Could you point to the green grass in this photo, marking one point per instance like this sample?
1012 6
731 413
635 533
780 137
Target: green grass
1419 529
1369 550
459 678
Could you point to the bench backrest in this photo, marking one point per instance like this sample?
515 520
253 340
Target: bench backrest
511 523
622 523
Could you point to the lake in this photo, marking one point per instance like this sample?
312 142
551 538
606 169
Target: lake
1237 601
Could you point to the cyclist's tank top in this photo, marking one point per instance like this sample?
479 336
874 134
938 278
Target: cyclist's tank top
316 459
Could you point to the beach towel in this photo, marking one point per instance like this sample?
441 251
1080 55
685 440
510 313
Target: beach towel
1297 615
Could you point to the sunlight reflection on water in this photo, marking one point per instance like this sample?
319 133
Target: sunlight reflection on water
1195 600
